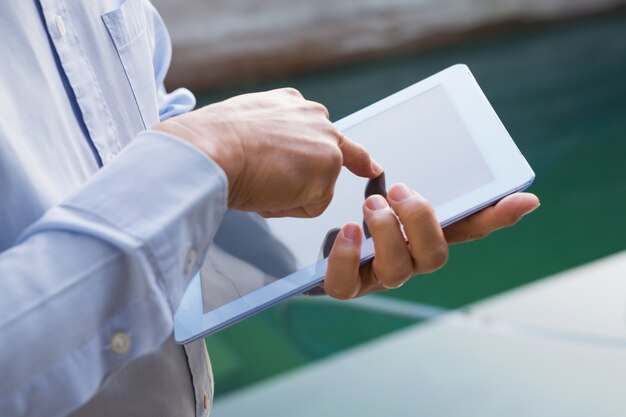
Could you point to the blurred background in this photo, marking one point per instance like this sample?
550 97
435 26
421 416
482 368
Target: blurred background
554 70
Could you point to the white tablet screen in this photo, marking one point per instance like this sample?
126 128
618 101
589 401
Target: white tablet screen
429 147
422 142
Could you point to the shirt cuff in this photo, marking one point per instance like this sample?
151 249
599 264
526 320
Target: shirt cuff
161 194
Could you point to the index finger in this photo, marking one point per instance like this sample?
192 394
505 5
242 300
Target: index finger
357 159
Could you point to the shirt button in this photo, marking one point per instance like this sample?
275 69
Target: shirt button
190 261
58 21
120 342
108 157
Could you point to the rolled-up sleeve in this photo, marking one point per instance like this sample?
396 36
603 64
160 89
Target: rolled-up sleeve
94 283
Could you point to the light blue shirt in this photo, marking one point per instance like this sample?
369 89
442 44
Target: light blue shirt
93 261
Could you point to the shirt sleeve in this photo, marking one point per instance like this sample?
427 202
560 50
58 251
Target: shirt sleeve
94 283
180 100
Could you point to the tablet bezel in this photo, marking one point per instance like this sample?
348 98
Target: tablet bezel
510 170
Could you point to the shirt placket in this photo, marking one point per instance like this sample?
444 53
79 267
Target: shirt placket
81 78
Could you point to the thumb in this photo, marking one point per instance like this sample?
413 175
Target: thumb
357 159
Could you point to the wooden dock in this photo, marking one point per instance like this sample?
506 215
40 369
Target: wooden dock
222 42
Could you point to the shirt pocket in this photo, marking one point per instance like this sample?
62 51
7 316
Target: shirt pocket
128 30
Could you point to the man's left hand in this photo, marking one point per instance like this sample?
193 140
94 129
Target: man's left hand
425 248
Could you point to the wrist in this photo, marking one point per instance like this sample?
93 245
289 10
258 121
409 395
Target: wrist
214 138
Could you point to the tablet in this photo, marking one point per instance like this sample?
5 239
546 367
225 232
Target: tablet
440 136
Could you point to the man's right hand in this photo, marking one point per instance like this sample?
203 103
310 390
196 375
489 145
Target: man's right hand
280 152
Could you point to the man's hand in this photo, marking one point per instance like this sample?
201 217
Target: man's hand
282 156
279 151
426 250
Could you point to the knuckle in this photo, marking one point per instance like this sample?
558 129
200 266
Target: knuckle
397 274
313 211
421 208
336 162
333 161
322 191
316 195
341 293
379 221
440 256
321 108
416 209
328 197
511 219
436 259
292 91
318 208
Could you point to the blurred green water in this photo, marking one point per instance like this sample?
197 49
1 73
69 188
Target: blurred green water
561 92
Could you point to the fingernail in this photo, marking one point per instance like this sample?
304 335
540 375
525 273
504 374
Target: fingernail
377 168
376 202
351 232
530 210
399 192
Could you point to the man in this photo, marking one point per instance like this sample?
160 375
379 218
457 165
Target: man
112 191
